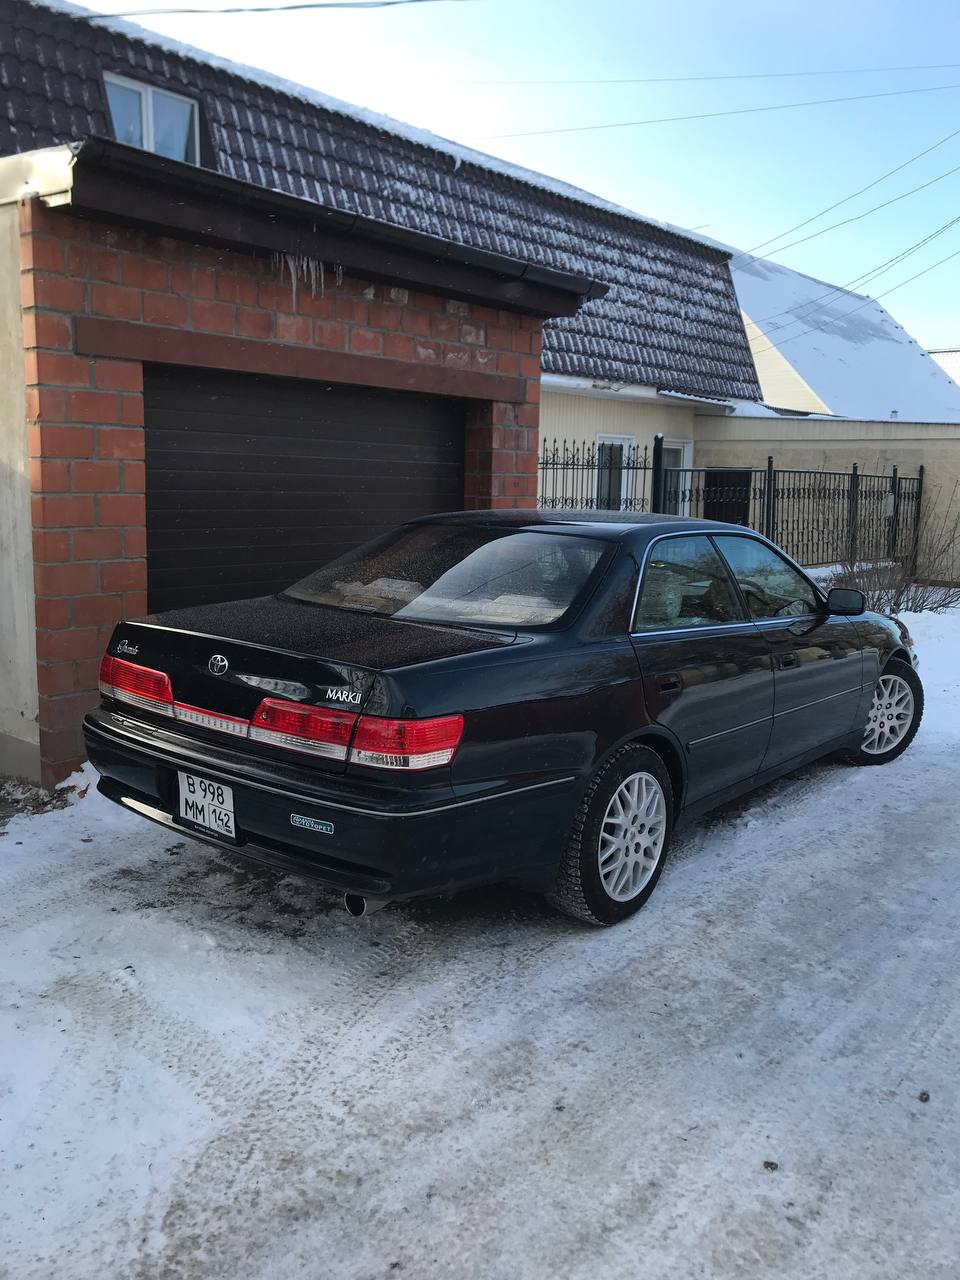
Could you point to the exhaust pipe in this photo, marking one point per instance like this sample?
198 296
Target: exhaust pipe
357 905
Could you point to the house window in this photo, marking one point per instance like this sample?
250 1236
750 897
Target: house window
153 119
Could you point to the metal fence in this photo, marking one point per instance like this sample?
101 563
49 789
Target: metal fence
818 517
585 477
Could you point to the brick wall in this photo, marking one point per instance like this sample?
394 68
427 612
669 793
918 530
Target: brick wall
86 412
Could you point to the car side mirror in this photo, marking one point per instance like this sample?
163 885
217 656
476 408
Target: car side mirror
846 602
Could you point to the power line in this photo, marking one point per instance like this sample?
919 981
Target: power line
712 115
830 208
270 8
845 222
754 75
774 346
864 277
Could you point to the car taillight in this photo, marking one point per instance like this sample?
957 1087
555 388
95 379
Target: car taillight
141 686
319 731
406 744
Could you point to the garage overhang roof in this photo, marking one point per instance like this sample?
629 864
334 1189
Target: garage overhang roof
104 179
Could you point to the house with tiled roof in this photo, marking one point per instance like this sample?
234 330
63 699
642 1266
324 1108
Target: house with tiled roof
245 326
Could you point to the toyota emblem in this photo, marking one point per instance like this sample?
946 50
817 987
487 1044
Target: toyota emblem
218 664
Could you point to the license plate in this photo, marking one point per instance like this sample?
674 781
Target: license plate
207 804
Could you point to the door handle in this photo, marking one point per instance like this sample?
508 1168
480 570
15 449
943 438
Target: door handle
787 660
671 684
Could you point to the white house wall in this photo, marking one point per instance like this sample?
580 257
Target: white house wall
580 419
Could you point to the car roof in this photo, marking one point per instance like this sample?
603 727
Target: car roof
611 526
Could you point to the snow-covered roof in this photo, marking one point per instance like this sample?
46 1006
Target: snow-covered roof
670 319
949 361
847 349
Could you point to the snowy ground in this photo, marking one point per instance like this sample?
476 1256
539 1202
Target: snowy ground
210 1071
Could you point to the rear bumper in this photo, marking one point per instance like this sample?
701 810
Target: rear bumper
432 845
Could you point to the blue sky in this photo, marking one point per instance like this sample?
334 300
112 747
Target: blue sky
740 179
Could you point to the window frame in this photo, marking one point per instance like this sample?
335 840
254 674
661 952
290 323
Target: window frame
146 92
782 555
745 621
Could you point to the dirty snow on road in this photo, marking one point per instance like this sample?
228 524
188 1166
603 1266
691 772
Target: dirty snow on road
209 1070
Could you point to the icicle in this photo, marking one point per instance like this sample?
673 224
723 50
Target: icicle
301 268
291 265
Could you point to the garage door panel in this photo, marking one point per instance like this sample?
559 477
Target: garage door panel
305 471
267 551
234 533
263 440
202 505
236 580
221 418
253 482
293 562
193 533
226 417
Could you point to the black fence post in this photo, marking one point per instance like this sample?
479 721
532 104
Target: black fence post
853 517
917 523
770 502
893 533
656 486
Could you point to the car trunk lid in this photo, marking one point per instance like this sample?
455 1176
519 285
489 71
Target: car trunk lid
224 660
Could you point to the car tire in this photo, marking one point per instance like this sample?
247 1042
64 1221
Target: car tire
609 840
872 750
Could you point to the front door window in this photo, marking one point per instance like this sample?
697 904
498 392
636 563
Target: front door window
771 587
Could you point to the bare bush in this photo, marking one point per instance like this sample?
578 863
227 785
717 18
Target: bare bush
925 579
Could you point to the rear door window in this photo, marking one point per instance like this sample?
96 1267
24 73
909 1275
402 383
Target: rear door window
771 587
685 584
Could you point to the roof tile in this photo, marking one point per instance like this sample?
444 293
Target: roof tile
670 319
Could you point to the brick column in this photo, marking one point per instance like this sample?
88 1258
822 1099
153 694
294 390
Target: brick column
502 441
87 482
501 457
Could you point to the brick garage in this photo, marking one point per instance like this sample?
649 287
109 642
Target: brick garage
99 300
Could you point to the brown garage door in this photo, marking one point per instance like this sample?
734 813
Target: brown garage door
253 481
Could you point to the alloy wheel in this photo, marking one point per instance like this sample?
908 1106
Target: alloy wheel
891 716
631 836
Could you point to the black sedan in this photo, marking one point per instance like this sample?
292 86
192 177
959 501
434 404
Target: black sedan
533 697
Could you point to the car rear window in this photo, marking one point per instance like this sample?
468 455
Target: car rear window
456 573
